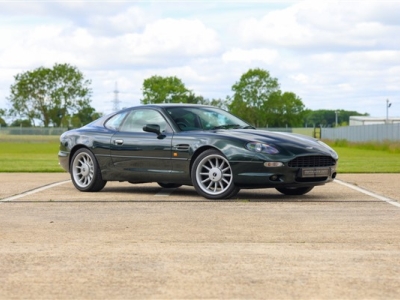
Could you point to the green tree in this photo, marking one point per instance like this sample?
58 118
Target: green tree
220 103
158 89
327 118
258 100
195 99
21 123
3 113
84 116
49 94
307 114
284 110
251 93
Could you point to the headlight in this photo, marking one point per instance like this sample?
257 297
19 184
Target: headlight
261 148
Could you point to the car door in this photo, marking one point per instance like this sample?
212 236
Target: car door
138 155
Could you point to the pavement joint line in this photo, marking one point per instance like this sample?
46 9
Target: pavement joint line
364 191
33 191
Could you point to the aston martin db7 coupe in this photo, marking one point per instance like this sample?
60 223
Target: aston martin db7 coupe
201 146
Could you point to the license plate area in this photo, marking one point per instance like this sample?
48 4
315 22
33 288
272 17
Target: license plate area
315 172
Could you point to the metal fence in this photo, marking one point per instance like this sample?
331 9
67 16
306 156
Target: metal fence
60 130
314 132
32 130
363 133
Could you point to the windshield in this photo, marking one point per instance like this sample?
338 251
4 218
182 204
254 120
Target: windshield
204 118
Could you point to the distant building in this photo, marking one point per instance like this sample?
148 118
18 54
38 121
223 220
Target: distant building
362 120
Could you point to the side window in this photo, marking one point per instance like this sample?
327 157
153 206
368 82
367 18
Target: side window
114 122
136 119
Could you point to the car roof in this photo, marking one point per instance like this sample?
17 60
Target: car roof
172 105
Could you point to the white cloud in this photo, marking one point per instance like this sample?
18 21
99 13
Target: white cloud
321 24
183 37
132 19
301 78
332 54
267 56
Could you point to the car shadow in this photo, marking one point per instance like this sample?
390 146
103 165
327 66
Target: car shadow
188 194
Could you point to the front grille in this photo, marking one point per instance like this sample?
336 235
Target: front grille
312 161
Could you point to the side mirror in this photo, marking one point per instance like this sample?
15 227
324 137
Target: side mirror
153 128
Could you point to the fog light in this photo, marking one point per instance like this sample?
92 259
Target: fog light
273 178
273 164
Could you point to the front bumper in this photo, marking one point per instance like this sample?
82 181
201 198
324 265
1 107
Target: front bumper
256 175
63 160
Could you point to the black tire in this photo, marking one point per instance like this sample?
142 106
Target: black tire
295 191
85 172
169 185
212 176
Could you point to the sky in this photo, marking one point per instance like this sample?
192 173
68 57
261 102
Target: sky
331 54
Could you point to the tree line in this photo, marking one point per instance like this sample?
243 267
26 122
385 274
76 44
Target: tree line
61 96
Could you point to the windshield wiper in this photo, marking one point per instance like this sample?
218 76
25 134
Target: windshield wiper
226 126
233 126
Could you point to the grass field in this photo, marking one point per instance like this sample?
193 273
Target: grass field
367 157
352 160
29 153
39 154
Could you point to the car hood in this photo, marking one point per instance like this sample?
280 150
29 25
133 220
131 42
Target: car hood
286 143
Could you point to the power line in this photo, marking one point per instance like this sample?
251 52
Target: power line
116 101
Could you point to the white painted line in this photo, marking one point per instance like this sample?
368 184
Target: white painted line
37 190
364 191
164 192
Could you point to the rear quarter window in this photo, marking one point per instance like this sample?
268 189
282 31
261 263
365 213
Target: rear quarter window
114 123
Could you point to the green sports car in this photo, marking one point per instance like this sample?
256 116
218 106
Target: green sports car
202 146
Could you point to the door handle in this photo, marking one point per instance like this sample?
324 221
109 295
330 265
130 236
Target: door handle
118 142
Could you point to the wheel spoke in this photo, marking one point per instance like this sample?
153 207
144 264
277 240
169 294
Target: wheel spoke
221 185
226 169
211 163
206 167
209 186
221 163
206 180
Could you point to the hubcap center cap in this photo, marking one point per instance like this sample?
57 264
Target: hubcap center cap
215 174
85 169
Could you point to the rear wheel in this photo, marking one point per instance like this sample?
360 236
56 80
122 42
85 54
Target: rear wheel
85 172
295 191
212 176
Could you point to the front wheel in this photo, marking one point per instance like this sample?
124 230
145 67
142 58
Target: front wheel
212 176
85 172
295 191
